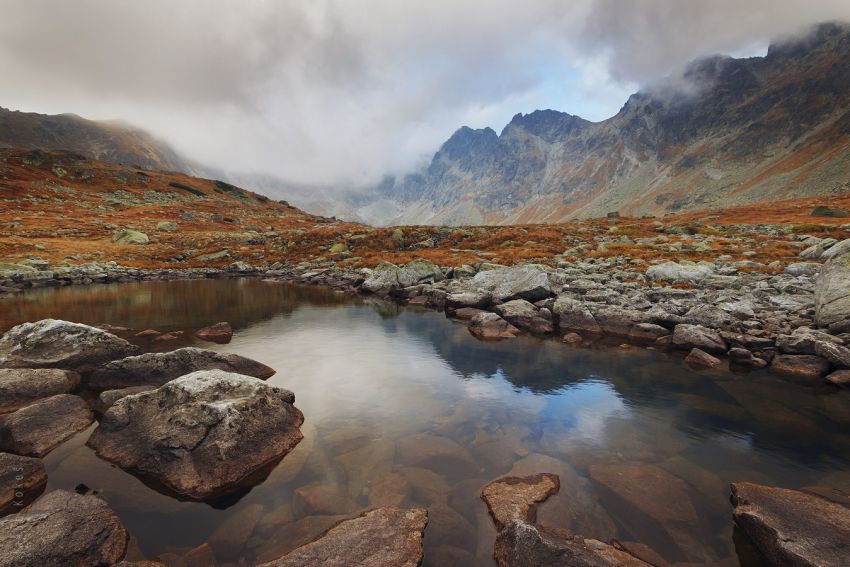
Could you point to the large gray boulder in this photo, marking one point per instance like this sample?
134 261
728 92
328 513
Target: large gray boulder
832 295
63 529
52 343
574 316
792 528
202 435
157 368
680 271
380 537
696 336
20 387
39 428
525 315
22 479
387 276
527 282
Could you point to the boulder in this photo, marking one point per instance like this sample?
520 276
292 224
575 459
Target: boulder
129 236
802 340
680 272
466 313
489 326
41 427
837 355
516 498
384 536
803 269
202 435
20 387
220 333
839 378
647 332
574 316
799 365
109 397
522 544
63 529
52 343
516 282
388 276
701 359
836 249
790 527
832 294
166 226
710 316
524 315
22 479
157 368
687 337
471 299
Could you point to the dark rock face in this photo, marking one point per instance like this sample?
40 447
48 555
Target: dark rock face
201 435
157 368
516 498
20 387
51 343
799 366
22 479
522 544
220 333
41 427
793 528
489 326
63 529
378 538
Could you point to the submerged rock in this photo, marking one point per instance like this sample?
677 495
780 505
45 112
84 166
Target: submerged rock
63 529
381 537
41 427
489 326
20 387
201 435
522 544
22 479
220 333
790 527
832 294
160 367
52 343
799 365
516 498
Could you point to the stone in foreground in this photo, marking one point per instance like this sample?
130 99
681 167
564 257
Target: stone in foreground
792 528
206 434
39 428
52 343
220 333
19 387
522 544
22 479
378 538
516 498
63 529
157 368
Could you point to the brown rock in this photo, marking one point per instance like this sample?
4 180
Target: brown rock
109 397
792 528
467 313
201 556
489 326
39 428
220 333
525 545
172 336
696 336
516 498
391 489
230 536
378 538
148 333
63 529
22 480
572 339
20 387
839 378
321 499
799 366
701 359
423 449
647 332
837 355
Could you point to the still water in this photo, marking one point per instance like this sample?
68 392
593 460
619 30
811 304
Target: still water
405 407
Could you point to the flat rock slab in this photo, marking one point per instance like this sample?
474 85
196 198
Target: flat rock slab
19 387
157 368
426 450
39 428
522 544
516 498
52 343
22 479
202 435
790 527
378 538
63 529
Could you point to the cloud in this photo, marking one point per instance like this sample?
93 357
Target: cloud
344 91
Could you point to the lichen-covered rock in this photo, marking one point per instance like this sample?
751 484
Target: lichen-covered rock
20 387
516 498
63 529
388 276
680 271
832 294
157 368
202 435
22 479
378 538
524 315
37 429
527 282
52 343
792 528
130 236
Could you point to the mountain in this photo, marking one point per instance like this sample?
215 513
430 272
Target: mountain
114 142
727 132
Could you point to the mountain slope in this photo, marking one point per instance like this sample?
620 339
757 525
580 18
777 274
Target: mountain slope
732 131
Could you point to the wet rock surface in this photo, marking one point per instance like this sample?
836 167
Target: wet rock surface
22 479
378 538
20 387
790 527
489 326
63 529
41 427
220 333
516 498
157 368
201 435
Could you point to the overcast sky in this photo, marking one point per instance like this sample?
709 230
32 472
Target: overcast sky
329 91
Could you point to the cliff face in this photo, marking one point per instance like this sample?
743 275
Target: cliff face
730 131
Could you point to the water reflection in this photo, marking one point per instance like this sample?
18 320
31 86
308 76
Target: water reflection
405 407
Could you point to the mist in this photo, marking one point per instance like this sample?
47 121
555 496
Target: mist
344 92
